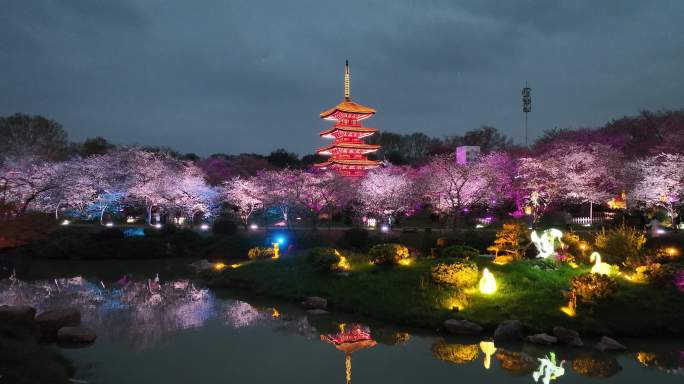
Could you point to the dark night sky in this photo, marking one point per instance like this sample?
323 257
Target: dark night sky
250 76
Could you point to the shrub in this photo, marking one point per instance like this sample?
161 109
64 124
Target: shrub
459 252
388 254
25 229
224 227
168 229
575 246
459 273
184 240
324 259
260 253
226 247
621 246
109 234
590 288
509 241
663 275
356 238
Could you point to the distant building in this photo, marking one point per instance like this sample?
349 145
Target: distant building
467 154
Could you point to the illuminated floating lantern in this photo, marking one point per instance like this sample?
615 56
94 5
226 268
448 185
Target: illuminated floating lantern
204 227
110 224
66 222
253 227
487 282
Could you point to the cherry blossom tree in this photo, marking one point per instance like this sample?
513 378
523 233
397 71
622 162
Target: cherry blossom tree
283 189
386 192
588 173
451 188
540 183
660 182
244 193
323 190
26 180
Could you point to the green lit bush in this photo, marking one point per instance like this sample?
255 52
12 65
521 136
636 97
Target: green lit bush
459 252
388 254
590 288
621 246
324 259
459 273
260 253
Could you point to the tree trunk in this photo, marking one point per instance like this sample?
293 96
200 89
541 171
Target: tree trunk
591 213
314 221
102 211
149 214
330 216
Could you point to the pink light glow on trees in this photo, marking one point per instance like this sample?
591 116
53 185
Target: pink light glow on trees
659 182
245 194
27 180
588 174
283 189
540 184
323 190
451 188
386 192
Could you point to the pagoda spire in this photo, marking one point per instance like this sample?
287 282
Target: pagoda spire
347 92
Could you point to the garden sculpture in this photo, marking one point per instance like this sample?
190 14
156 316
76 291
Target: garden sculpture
546 242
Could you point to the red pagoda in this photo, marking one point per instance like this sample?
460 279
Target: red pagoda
348 151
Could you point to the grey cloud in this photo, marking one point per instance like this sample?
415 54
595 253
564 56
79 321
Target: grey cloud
243 76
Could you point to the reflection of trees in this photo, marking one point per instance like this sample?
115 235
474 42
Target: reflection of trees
595 366
455 353
143 312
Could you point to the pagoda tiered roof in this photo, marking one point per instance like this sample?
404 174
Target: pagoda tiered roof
347 106
365 131
367 147
356 162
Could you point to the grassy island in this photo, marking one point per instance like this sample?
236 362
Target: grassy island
530 291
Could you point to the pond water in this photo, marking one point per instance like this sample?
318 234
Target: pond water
175 331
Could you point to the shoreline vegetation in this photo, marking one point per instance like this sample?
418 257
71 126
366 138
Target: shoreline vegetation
405 295
425 279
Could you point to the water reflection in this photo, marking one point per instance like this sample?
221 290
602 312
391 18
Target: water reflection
350 338
146 311
548 369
